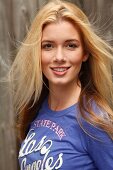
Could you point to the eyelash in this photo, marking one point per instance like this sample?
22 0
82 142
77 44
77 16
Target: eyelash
49 46
72 45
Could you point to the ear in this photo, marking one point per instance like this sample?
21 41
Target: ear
85 57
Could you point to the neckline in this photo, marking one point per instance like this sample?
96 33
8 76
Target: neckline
60 112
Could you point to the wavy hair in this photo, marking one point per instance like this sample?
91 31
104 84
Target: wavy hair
30 87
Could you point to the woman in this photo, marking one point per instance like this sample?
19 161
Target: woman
63 93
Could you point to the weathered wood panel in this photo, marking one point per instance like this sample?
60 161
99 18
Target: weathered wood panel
15 18
100 13
7 136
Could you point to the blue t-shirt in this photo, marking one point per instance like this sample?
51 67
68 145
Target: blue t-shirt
56 141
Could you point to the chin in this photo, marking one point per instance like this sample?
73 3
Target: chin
60 83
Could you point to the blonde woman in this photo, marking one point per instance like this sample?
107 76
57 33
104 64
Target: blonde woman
63 93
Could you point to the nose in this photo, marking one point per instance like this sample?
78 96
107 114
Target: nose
59 55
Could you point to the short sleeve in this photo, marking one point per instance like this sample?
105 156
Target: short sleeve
99 147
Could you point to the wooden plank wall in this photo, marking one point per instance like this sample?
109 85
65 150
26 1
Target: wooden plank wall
15 18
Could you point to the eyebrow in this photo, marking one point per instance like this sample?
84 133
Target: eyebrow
47 41
72 40
69 40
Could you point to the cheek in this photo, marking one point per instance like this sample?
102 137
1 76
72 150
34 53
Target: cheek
77 57
77 60
44 60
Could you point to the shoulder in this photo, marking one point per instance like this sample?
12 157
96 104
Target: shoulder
93 120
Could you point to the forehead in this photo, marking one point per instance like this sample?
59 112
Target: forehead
61 29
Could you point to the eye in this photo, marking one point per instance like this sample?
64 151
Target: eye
47 46
71 46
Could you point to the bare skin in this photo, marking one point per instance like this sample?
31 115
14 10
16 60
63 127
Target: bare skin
62 57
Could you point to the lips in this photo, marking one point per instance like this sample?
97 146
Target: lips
60 69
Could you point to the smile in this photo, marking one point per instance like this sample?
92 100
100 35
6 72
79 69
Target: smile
60 69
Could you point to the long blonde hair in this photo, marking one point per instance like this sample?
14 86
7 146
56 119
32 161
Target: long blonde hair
29 85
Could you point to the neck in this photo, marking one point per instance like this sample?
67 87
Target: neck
61 97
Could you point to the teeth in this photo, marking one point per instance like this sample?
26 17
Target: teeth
60 69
